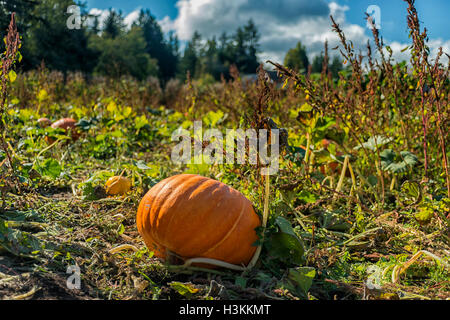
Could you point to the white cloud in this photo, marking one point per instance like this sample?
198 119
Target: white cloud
132 17
281 23
166 24
101 14
211 17
312 32
433 44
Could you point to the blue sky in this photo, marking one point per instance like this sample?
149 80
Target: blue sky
284 22
433 13
159 8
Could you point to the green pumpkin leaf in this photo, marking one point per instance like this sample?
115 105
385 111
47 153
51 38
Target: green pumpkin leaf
301 279
307 116
286 245
374 142
185 289
410 192
388 163
321 156
12 76
387 157
50 168
324 123
287 248
212 118
335 135
409 158
17 242
285 226
307 196
424 215
295 154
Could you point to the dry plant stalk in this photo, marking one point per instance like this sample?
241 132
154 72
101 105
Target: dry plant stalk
419 58
8 60
363 105
431 79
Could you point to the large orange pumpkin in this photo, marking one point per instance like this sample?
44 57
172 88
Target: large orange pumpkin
197 217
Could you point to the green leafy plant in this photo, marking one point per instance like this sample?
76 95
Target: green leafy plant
285 244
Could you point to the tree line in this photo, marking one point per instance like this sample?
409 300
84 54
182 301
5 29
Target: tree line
141 50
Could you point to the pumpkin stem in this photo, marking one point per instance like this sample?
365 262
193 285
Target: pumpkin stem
123 247
331 179
352 174
213 262
399 269
341 178
264 223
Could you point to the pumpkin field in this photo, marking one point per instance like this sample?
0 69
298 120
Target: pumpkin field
93 206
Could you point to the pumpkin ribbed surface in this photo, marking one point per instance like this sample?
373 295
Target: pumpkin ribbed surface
44 122
198 217
67 124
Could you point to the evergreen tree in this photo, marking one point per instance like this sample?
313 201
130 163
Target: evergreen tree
51 41
224 52
25 15
336 66
166 53
317 63
124 54
210 63
244 47
174 44
252 37
113 24
215 56
190 60
297 59
113 50
95 29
